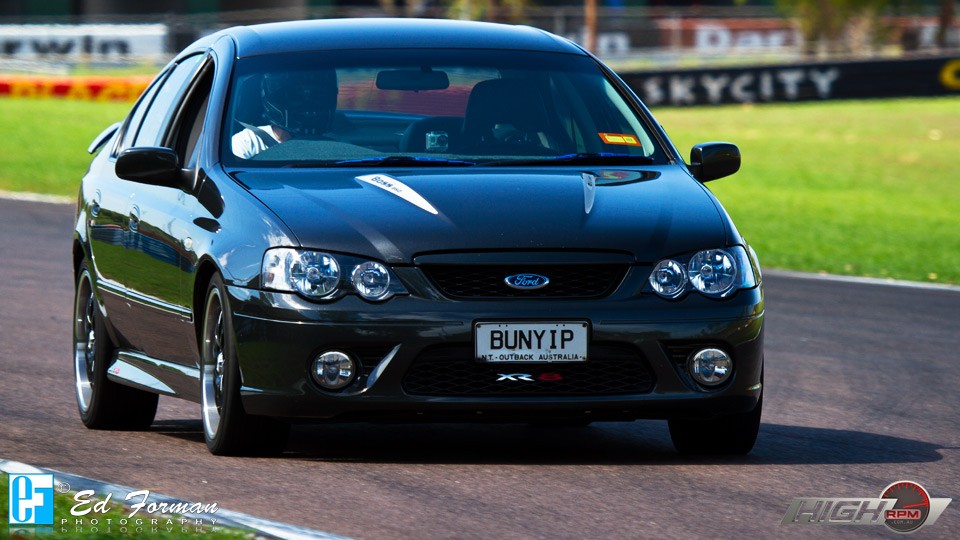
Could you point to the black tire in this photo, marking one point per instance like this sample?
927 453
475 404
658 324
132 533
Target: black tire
227 428
102 403
730 435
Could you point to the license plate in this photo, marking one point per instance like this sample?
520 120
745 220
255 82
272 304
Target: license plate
531 342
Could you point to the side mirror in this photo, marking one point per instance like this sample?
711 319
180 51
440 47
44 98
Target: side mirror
151 165
709 161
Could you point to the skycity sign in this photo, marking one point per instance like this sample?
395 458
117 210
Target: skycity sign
798 82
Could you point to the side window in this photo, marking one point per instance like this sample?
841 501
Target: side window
191 151
132 125
188 124
161 110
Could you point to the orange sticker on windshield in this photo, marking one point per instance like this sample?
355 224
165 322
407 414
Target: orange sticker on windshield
619 138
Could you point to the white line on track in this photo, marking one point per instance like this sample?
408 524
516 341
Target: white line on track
36 197
227 518
863 280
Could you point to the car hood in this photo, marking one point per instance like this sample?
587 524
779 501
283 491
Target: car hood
399 214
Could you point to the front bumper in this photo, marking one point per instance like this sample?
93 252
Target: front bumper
278 335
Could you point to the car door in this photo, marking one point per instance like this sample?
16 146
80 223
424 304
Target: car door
109 219
148 273
166 233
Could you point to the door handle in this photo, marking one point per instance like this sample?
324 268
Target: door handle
95 204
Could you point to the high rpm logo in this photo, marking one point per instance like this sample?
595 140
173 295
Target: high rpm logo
912 508
903 507
31 499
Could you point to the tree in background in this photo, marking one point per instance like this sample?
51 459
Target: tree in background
855 26
947 13
831 26
488 10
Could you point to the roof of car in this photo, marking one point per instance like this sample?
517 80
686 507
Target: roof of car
391 33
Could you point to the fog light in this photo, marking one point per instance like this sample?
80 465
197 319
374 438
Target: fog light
334 370
710 367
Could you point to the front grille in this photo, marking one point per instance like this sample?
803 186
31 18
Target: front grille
369 356
451 370
487 281
679 351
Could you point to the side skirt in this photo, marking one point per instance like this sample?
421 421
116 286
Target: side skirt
155 375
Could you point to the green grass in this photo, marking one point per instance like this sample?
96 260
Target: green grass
43 146
115 523
861 188
96 70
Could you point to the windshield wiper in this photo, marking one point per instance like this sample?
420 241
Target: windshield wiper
412 161
590 158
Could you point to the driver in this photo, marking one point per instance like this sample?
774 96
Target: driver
297 105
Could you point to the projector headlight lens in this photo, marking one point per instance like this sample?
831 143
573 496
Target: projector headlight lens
371 280
668 278
315 274
713 272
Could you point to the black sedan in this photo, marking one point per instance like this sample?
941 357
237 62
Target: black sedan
403 220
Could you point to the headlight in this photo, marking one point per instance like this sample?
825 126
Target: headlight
371 280
315 274
326 276
311 273
712 272
668 278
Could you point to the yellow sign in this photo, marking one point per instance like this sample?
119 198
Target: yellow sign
950 75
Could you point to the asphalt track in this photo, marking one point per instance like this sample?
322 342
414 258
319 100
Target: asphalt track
862 390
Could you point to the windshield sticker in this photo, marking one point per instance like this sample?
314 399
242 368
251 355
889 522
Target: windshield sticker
398 188
619 138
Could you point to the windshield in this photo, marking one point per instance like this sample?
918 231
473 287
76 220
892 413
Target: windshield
424 107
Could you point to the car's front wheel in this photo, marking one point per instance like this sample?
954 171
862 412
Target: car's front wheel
103 404
733 434
227 428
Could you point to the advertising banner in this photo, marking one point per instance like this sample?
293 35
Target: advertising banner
799 82
85 88
86 42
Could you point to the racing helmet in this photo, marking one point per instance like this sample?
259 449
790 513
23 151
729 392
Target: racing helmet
300 102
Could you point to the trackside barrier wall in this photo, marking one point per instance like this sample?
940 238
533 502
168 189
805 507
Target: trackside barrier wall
84 88
932 76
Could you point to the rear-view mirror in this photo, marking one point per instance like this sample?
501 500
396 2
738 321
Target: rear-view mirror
412 79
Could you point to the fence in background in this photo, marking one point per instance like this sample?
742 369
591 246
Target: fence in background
634 36
645 45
